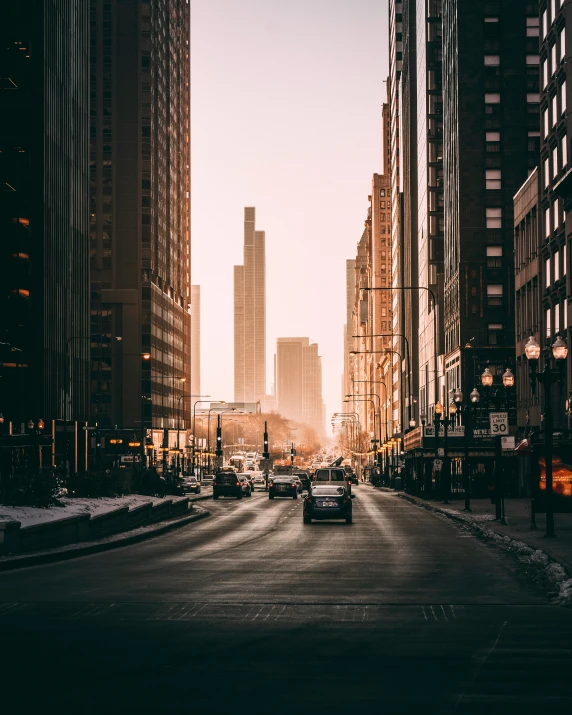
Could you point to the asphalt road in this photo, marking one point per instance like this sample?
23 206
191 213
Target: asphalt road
251 611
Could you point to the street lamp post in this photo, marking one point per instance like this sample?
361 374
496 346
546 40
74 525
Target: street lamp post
507 383
547 378
367 398
383 352
407 360
445 421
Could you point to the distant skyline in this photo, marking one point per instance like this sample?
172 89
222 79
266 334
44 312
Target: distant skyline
286 117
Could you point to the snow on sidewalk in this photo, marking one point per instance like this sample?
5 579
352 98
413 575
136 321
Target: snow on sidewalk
30 516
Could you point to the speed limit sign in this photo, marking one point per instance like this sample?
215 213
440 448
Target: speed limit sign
499 424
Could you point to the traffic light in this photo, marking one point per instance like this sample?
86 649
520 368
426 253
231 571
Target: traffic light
219 439
266 453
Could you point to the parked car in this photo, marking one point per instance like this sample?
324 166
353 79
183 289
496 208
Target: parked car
282 486
190 484
327 501
229 484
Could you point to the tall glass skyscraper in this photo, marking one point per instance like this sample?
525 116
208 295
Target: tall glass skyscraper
250 315
44 211
140 215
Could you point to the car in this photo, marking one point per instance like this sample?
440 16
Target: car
333 475
282 486
247 487
299 487
229 484
327 501
249 479
190 484
304 477
259 480
208 480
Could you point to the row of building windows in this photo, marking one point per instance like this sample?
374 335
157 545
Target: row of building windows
553 108
555 266
547 21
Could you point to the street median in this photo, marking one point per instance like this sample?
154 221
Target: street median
84 534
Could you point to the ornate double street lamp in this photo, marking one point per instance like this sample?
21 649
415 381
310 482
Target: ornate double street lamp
547 378
497 431
446 421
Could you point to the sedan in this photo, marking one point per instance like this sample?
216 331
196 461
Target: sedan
190 484
282 486
327 502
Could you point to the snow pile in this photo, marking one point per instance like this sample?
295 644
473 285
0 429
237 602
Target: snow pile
29 516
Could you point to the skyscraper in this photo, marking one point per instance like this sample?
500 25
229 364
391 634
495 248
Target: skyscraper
195 341
250 315
299 382
140 215
44 212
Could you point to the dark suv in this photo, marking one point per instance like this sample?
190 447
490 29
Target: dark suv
282 486
304 477
227 484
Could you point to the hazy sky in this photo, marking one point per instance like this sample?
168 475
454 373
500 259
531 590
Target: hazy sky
286 117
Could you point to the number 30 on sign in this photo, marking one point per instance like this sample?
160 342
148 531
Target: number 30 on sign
499 423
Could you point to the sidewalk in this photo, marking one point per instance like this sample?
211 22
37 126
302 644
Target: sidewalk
516 536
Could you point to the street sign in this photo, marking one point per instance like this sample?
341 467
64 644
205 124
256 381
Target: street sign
499 424
508 442
441 451
130 458
438 464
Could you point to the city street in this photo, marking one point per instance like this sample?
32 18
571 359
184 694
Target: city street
251 611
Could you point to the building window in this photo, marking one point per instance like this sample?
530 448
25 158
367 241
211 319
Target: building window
492 60
495 331
556 207
546 173
545 122
493 136
564 150
494 218
555 162
492 98
494 256
494 294
556 267
382 192
533 97
532 59
554 58
547 272
382 204
557 317
548 324
493 179
532 27
563 98
544 24
545 74
563 43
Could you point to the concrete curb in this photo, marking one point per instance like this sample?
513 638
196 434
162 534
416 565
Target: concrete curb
85 549
543 568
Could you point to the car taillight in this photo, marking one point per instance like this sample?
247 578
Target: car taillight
238 484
